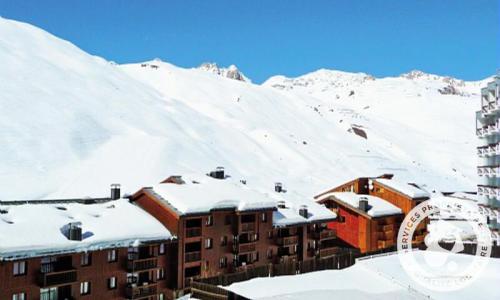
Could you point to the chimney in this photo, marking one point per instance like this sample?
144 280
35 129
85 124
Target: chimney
74 232
303 211
278 187
115 191
363 204
218 173
281 204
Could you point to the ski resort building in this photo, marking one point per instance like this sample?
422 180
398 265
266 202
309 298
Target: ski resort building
365 222
488 150
83 249
223 226
370 210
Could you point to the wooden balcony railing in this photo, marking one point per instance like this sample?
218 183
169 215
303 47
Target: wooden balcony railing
138 292
325 234
193 232
385 244
287 241
247 247
328 252
388 227
59 277
192 256
247 227
136 264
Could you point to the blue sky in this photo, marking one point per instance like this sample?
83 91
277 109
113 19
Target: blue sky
263 38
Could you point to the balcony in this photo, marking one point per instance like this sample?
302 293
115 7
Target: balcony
141 292
385 244
192 256
326 234
287 241
193 232
135 263
486 190
488 171
247 227
327 252
384 228
244 248
52 276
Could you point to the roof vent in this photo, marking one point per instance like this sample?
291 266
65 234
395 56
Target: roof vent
218 173
243 181
74 232
281 204
278 187
303 211
115 191
363 204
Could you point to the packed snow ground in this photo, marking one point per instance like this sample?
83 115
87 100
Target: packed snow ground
377 278
73 123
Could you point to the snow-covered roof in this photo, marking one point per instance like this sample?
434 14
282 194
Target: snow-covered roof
376 206
201 194
31 230
465 196
290 215
404 188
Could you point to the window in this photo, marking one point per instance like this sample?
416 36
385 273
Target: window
19 296
227 220
341 219
210 221
254 256
263 217
269 253
223 240
85 288
161 250
270 234
85 259
48 294
161 297
208 243
160 274
112 283
19 268
112 257
223 262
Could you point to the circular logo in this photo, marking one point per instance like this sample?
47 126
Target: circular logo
457 227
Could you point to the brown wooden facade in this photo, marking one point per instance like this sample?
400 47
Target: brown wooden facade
142 272
389 194
362 231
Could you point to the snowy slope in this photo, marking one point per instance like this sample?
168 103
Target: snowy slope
73 123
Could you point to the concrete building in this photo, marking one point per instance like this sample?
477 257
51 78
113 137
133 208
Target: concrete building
488 150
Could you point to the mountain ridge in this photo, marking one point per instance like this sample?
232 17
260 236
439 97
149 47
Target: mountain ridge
74 123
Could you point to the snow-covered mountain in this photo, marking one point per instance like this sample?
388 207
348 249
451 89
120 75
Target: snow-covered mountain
231 72
73 123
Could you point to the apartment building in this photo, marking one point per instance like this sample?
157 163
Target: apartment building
365 222
83 249
381 190
224 226
488 151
